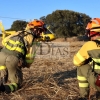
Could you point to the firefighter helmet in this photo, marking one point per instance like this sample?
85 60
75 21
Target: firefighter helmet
95 30
93 27
35 24
93 21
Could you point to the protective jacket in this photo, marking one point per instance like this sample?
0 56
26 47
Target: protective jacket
86 66
19 45
90 49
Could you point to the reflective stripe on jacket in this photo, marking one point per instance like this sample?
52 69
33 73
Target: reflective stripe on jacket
89 49
15 44
32 53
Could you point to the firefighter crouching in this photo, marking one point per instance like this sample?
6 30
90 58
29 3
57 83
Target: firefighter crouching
87 60
17 53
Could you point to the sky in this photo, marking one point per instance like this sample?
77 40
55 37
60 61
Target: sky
26 10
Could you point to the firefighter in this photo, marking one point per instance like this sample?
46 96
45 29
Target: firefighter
87 60
17 52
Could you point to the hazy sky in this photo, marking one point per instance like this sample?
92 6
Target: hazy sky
11 10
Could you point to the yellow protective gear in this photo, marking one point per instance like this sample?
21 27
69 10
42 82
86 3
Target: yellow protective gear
83 54
15 44
17 49
32 53
29 42
87 73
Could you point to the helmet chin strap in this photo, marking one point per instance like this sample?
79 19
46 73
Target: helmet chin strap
94 34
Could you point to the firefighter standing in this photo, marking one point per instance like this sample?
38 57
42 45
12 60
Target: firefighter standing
87 60
17 53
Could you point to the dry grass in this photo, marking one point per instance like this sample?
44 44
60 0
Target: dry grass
49 79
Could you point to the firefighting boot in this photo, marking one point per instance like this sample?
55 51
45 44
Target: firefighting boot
82 98
98 95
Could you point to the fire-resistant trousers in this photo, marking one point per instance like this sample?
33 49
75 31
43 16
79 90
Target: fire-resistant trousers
11 63
86 79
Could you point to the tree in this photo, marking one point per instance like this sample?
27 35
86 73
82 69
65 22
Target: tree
66 23
18 25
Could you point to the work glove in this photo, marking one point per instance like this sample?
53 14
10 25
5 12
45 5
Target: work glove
3 76
22 63
86 61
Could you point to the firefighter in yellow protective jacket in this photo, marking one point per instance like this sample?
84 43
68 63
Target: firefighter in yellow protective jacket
17 52
87 60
